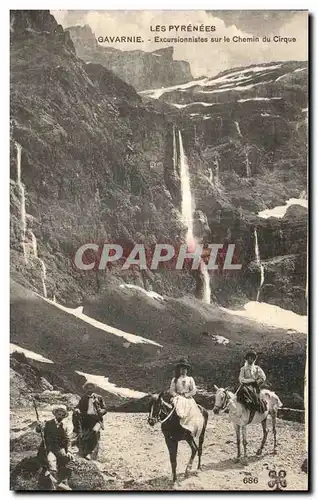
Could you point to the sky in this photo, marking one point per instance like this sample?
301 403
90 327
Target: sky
204 58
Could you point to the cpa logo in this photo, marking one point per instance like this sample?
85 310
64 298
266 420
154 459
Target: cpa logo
277 481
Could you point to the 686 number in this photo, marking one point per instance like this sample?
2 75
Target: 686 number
250 480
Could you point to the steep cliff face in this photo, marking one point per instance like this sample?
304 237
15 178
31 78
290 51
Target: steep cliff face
94 161
245 135
96 164
91 162
143 70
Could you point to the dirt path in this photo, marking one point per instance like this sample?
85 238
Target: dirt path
134 456
139 455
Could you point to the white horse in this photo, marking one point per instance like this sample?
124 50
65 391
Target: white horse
239 416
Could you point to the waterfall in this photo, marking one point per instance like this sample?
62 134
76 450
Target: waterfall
216 171
237 125
247 164
206 283
34 245
174 156
43 277
259 263
187 209
19 152
210 178
22 199
24 229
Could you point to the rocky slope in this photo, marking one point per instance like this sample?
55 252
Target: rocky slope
169 329
117 467
92 160
245 134
142 70
97 165
86 162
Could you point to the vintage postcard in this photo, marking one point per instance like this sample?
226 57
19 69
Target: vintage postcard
158 242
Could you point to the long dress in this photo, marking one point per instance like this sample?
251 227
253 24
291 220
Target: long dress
251 376
182 391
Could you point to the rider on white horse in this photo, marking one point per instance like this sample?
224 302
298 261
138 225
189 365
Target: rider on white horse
251 378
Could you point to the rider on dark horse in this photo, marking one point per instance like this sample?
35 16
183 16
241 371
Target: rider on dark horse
183 420
251 378
182 390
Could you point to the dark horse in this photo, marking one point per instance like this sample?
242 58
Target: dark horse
162 411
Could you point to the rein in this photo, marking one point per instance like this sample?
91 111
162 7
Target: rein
168 416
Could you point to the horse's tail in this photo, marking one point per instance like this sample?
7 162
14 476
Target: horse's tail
205 415
204 412
272 399
202 435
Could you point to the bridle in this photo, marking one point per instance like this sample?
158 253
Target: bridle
225 402
161 413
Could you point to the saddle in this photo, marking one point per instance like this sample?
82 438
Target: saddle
262 408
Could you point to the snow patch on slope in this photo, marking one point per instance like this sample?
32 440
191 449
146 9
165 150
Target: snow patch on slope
272 315
29 354
78 313
280 210
104 384
153 295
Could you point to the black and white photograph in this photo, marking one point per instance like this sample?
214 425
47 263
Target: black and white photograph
159 250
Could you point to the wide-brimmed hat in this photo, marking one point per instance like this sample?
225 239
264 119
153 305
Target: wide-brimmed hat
89 384
251 354
59 407
183 362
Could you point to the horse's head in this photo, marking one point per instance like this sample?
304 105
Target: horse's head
154 409
221 399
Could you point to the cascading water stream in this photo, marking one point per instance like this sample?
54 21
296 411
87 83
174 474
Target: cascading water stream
210 178
216 168
259 263
43 277
175 156
22 200
34 245
24 229
206 283
247 165
238 128
187 209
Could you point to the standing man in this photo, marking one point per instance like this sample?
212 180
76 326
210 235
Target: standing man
54 454
251 377
88 420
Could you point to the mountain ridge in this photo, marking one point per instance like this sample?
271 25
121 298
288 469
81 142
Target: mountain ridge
137 67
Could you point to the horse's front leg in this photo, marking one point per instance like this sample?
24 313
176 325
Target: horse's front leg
244 438
201 439
274 415
265 432
194 450
172 445
238 442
